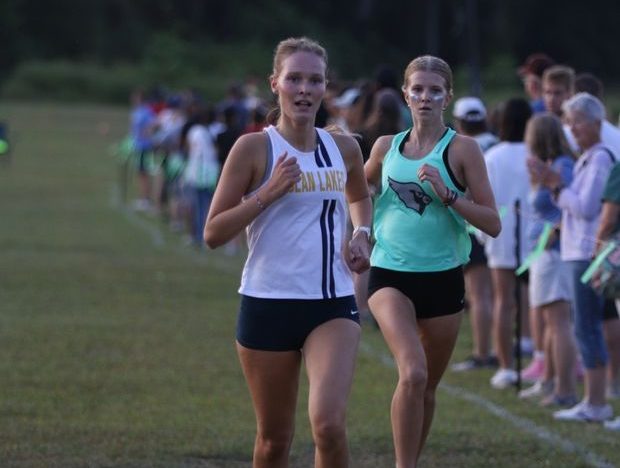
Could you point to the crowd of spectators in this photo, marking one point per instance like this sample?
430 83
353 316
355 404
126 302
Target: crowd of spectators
548 157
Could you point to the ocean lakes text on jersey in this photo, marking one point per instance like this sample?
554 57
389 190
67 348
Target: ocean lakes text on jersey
320 181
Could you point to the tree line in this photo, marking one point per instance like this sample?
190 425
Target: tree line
359 34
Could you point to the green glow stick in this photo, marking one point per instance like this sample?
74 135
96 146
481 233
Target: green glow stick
538 250
596 263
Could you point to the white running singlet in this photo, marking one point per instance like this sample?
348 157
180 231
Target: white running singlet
295 244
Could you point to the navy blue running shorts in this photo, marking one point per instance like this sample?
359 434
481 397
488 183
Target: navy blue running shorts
433 294
284 324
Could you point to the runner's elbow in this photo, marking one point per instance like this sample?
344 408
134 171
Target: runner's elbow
495 228
211 239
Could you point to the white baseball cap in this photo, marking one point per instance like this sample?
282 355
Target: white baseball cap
470 109
348 98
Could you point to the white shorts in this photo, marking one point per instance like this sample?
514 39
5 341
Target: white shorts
549 280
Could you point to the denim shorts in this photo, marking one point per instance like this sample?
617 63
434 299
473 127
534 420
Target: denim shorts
549 280
588 309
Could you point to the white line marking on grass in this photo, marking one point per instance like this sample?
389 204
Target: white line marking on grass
225 264
528 426
157 238
521 423
222 263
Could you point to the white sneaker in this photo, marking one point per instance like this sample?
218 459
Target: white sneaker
613 425
538 390
504 378
584 411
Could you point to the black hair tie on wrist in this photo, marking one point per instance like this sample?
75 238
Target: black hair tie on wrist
451 196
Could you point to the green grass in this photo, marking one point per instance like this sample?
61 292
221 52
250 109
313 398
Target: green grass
116 351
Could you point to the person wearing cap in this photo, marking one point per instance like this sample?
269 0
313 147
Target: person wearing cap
470 119
506 167
531 73
350 115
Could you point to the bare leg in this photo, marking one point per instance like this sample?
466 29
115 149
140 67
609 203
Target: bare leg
395 315
550 371
438 337
159 182
526 326
329 353
144 187
480 296
504 309
563 347
273 380
537 328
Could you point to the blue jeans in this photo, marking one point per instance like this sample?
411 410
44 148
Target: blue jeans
201 200
588 310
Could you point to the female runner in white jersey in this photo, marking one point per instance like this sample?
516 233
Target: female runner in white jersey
416 287
290 185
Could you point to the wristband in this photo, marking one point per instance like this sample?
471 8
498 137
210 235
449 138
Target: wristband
365 229
451 197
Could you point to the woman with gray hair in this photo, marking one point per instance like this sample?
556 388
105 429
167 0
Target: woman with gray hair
580 203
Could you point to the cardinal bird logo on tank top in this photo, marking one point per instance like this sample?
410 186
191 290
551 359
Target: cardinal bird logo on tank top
411 194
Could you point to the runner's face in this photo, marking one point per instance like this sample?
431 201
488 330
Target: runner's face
426 94
300 86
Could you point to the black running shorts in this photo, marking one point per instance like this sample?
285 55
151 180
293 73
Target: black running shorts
284 324
433 294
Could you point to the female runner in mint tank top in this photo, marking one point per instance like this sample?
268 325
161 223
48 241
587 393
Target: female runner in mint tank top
416 287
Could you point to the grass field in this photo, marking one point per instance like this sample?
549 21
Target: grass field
117 341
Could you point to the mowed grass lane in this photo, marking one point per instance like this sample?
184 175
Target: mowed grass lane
117 342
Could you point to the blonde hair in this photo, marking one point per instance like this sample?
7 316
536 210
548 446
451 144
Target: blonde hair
433 64
545 138
289 46
560 75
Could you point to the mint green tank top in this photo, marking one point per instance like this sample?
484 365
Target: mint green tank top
413 230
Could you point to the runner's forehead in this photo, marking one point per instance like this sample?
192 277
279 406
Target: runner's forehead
425 78
304 62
